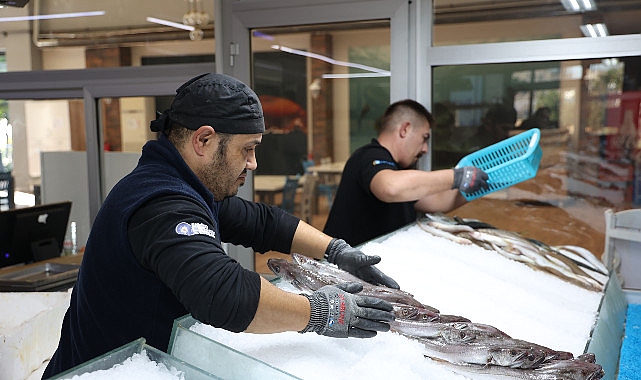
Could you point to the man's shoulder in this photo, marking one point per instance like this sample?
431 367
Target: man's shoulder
371 150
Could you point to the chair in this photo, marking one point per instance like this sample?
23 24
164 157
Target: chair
328 185
325 186
308 197
6 189
289 194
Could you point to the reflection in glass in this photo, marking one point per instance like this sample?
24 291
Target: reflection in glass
588 113
467 22
322 88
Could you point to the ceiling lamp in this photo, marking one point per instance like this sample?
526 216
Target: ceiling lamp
594 30
196 18
578 5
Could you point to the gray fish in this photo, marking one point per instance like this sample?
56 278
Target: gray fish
504 353
572 369
302 279
451 331
334 275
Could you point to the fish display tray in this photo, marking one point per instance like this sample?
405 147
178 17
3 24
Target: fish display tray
121 354
216 358
46 276
507 162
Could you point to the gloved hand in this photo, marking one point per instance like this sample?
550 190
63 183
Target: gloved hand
357 263
337 312
469 179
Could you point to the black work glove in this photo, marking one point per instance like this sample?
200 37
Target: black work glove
337 312
357 263
469 179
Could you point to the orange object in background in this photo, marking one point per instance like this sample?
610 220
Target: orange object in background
283 115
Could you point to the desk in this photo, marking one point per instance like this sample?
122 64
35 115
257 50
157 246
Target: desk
331 168
55 274
267 186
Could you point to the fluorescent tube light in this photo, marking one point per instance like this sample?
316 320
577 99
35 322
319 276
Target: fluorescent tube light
571 5
355 75
594 30
578 5
588 5
171 23
330 60
52 16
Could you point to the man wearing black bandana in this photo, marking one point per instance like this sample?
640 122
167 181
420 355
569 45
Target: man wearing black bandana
155 250
380 191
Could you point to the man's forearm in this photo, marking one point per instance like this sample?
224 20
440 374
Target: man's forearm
309 241
279 311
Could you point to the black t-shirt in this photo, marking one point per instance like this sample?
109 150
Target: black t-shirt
357 215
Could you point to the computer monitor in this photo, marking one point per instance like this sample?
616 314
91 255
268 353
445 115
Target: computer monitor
33 233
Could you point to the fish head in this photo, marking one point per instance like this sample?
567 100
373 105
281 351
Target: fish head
513 357
457 336
574 369
281 268
414 313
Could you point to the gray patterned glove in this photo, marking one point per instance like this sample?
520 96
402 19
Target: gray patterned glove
338 313
469 179
357 263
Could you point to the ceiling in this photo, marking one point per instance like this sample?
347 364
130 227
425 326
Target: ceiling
125 20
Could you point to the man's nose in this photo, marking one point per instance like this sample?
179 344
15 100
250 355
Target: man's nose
251 163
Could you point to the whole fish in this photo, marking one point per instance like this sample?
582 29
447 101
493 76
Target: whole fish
303 280
335 275
310 280
459 239
581 254
450 331
536 256
503 353
572 369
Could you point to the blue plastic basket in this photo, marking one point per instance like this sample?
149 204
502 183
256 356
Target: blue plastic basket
507 162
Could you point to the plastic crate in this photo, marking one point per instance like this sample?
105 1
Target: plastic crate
507 162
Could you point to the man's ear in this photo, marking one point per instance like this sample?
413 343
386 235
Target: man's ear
403 130
202 139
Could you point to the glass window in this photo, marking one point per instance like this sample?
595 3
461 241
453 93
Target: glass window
467 22
124 123
77 35
322 88
589 114
39 136
47 154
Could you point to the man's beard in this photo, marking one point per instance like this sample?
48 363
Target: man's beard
217 176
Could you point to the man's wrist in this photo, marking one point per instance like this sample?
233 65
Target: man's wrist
318 312
458 177
334 247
